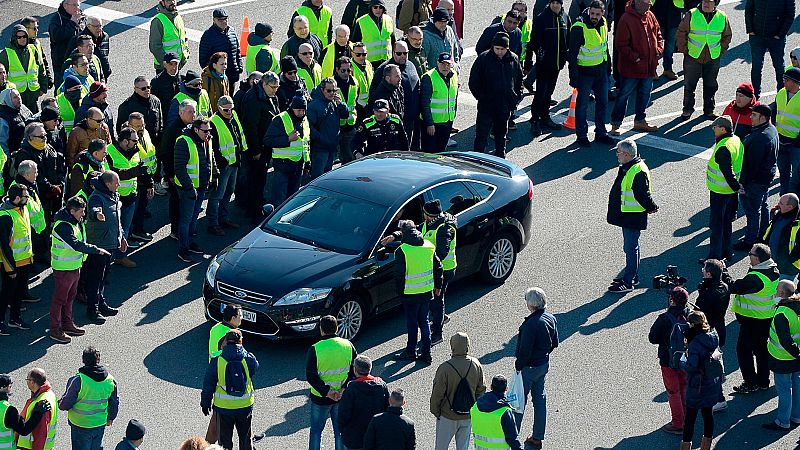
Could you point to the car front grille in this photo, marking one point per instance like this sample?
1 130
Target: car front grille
264 325
242 294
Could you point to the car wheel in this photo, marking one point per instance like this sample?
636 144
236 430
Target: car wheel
499 260
350 316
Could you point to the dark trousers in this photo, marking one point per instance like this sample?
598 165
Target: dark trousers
691 417
587 84
346 145
95 270
137 225
669 47
63 296
253 181
759 45
545 86
417 320
13 291
754 203
415 139
789 168
437 305
174 207
285 179
722 213
321 162
243 424
625 87
693 71
438 142
497 122
752 342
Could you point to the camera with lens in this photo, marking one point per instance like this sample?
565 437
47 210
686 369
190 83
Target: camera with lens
668 280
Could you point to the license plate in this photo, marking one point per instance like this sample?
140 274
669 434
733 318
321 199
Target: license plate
249 316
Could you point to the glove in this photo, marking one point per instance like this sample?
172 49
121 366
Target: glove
206 411
42 407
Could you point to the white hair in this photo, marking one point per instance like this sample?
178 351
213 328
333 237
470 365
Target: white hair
185 104
340 28
26 167
298 19
628 146
535 298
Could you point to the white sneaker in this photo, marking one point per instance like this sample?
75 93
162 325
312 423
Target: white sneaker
721 406
451 143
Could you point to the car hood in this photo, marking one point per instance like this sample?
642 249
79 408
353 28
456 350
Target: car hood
274 265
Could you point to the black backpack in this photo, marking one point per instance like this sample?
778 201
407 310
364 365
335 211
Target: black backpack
677 345
464 397
235 378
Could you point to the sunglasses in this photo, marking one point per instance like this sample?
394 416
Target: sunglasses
330 91
143 88
227 110
400 53
360 54
95 120
20 36
204 130
306 53
39 136
291 72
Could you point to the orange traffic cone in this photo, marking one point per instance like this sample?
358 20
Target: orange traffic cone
243 36
570 122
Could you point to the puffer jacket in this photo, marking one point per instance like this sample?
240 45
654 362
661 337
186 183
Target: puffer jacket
12 124
363 398
741 116
108 113
639 43
769 18
263 58
760 154
108 233
449 375
323 119
701 391
785 338
435 42
81 135
216 40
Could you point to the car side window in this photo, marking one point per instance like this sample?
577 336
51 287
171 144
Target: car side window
482 191
454 196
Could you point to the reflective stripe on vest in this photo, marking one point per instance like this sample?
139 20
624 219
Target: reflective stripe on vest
147 152
334 357
378 42
226 401
702 33
715 180
320 26
62 256
595 44
91 409
227 145
312 78
66 111
193 165
298 149
121 162
487 429
27 441
174 37
774 346
203 102
792 239
364 79
252 55
3 159
443 97
21 233
24 79
787 114
758 305
449 262
6 434
628 202
35 211
419 268
350 102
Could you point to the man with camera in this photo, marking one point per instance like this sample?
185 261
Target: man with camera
629 203
754 307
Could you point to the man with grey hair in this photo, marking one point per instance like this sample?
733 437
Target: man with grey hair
341 46
228 143
778 235
364 397
538 337
302 34
629 203
187 110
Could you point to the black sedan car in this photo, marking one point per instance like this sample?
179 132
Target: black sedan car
319 253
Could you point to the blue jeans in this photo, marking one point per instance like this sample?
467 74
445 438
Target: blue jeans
417 317
630 245
789 168
669 46
759 45
126 219
642 86
437 304
788 387
218 199
587 84
187 219
286 178
87 438
533 379
722 212
754 203
321 162
319 415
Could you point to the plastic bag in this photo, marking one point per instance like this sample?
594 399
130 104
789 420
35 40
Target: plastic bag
516 393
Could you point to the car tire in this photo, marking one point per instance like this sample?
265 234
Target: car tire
350 315
499 259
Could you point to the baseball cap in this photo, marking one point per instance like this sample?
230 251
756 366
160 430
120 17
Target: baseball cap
445 57
380 104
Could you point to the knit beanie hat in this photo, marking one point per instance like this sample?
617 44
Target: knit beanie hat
441 15
746 88
49 113
134 431
501 39
263 29
299 102
288 64
70 82
792 74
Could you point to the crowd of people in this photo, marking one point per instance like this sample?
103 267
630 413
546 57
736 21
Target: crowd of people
78 176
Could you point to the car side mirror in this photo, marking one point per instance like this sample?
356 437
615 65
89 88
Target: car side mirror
382 254
268 209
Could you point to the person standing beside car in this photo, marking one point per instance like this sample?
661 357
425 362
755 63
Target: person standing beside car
231 320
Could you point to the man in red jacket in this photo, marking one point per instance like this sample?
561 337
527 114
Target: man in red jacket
640 45
44 432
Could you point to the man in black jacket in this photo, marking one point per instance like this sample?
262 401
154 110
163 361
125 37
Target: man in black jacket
220 37
301 35
629 204
767 23
166 84
143 100
66 23
496 81
364 397
713 296
100 39
784 361
758 171
510 26
391 430
390 88
410 82
777 235
166 156
549 41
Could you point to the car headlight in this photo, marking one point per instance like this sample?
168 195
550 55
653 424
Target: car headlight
303 295
211 272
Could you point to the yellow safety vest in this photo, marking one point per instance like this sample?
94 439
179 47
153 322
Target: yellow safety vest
66 111
363 79
377 41
787 114
444 96
330 58
218 332
35 211
226 401
715 181
203 102
320 26
120 161
487 429
6 434
298 149
91 409
227 145
350 101
174 37
678 3
593 52
147 152
62 256
449 262
27 441
3 160
252 54
702 33
193 165
774 346
628 202
334 357
312 78
419 268
26 79
758 305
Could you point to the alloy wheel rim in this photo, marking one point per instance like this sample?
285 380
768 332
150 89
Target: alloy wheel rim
349 317
501 258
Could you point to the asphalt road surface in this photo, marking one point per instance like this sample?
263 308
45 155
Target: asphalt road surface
604 386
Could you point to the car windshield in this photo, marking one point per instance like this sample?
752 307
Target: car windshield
327 219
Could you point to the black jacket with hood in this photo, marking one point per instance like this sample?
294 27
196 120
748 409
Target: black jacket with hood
496 83
230 353
96 373
390 430
414 237
363 398
492 401
61 31
641 191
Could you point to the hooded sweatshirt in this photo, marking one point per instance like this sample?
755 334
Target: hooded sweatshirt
449 375
96 373
751 283
12 122
363 398
24 56
231 353
492 401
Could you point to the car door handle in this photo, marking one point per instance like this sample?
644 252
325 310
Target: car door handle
483 223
